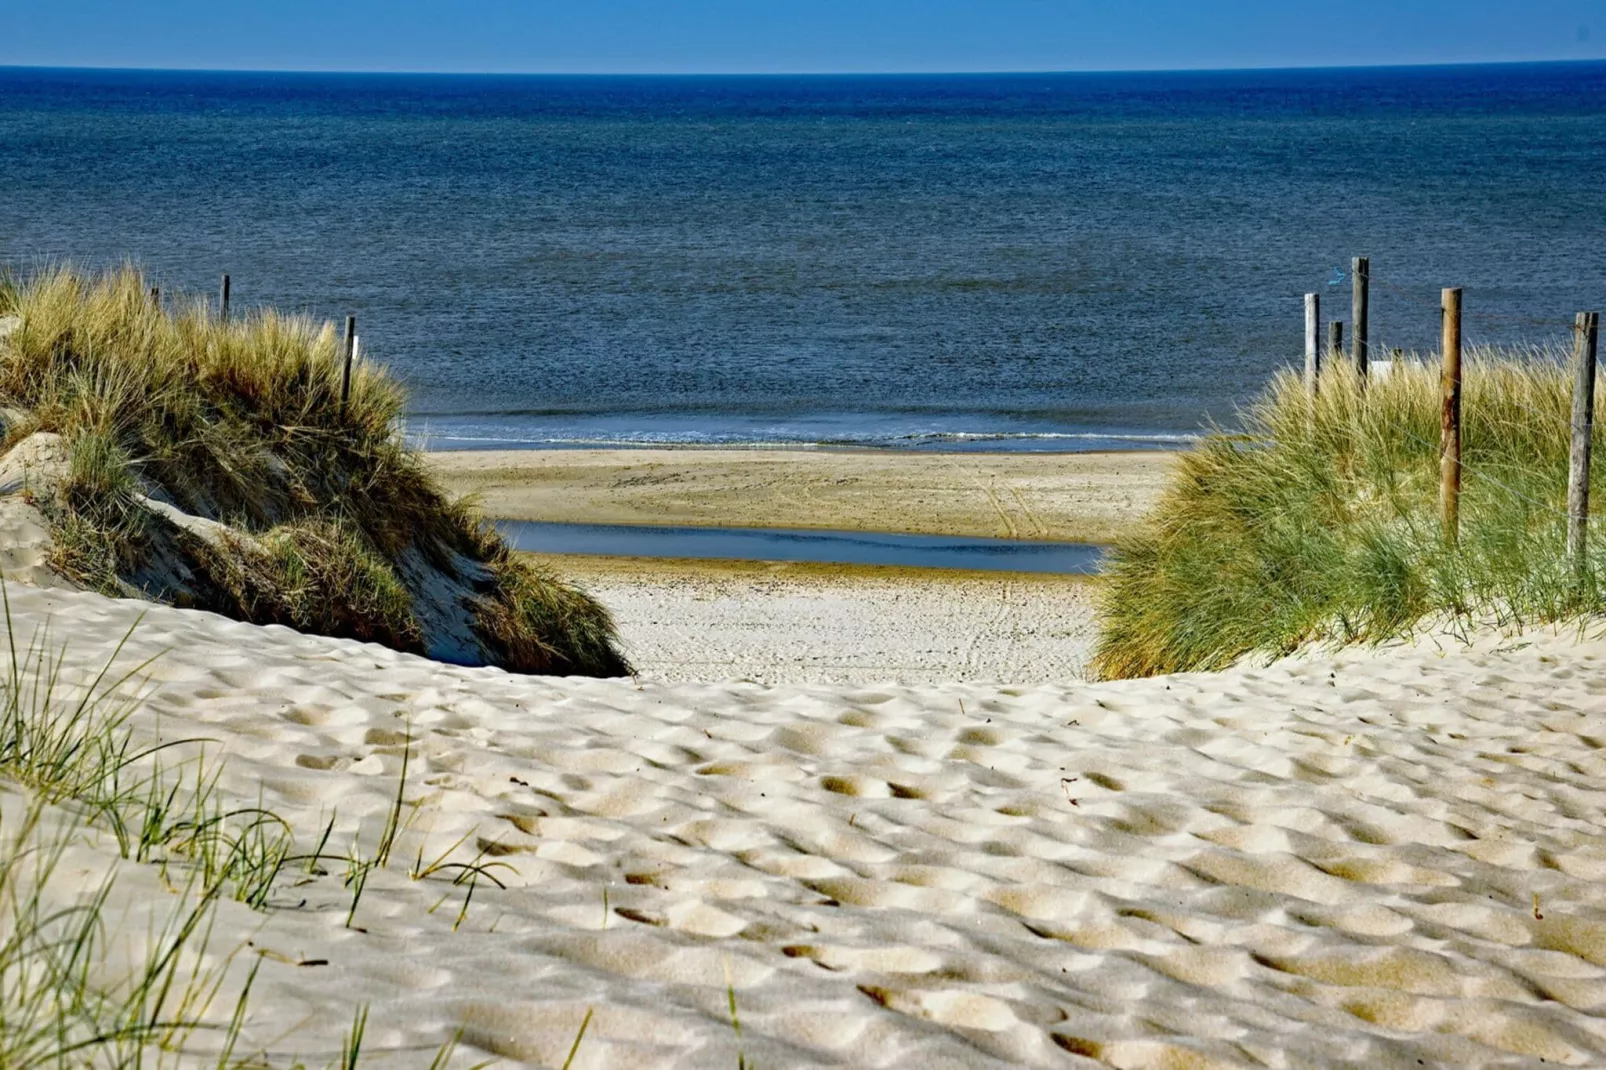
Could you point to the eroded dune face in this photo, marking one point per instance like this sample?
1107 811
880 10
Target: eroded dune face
38 461
37 466
1392 859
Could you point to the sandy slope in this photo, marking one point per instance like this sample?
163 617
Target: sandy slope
1079 497
1385 860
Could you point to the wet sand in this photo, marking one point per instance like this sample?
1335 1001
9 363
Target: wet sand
1074 497
829 624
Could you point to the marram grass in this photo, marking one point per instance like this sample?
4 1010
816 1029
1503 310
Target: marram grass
240 422
1319 521
69 763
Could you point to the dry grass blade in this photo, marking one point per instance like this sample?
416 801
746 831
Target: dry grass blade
574 1049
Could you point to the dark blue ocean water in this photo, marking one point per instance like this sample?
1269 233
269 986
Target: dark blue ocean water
900 260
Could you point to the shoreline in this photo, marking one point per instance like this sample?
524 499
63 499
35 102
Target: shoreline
584 567
1091 497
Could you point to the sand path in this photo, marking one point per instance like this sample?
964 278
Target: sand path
772 623
1381 860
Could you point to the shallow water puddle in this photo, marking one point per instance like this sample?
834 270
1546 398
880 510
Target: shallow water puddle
779 544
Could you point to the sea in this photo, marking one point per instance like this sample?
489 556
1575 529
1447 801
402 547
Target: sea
984 262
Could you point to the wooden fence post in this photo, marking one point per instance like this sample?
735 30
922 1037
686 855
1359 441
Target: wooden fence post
1360 296
223 299
1585 327
1450 418
1313 356
345 376
1335 340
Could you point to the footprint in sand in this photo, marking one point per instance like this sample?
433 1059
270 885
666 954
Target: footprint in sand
867 959
957 1010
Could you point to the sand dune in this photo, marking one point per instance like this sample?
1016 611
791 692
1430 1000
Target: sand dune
1379 860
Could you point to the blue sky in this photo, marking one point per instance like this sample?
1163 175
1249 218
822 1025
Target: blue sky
706 36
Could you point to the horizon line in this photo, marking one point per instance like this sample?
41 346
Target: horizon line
866 73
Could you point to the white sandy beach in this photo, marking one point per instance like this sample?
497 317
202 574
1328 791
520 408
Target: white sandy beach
1386 859
824 624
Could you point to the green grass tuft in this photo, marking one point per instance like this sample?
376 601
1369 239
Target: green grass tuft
539 624
1319 522
68 759
314 576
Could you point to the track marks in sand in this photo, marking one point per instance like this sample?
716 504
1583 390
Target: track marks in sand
1234 870
786 627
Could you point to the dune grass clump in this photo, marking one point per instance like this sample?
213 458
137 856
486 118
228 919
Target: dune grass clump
211 463
314 576
520 592
1319 522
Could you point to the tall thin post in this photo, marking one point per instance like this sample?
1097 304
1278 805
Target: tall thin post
223 299
1450 418
345 376
1361 283
1313 356
1335 340
156 297
1585 327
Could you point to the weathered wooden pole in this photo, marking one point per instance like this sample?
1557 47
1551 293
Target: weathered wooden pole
1361 282
223 299
1313 356
1335 340
1586 325
1450 418
345 376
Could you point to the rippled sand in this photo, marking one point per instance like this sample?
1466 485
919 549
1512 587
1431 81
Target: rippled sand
1382 860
